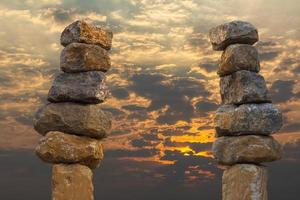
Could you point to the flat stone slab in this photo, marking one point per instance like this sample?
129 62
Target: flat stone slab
244 87
57 147
247 119
238 57
72 182
246 149
84 87
245 182
80 57
78 119
82 32
235 32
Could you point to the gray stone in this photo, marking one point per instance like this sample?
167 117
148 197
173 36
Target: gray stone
244 87
79 57
84 87
78 119
57 147
235 32
245 182
72 182
238 57
246 149
255 119
81 32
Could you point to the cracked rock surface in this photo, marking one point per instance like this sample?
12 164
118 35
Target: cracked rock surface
82 32
246 149
245 182
246 119
244 87
238 57
85 87
57 147
78 119
79 57
232 33
72 182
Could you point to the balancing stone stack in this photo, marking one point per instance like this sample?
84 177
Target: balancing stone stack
73 123
246 118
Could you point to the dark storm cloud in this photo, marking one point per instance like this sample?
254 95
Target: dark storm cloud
209 66
286 65
133 107
131 153
175 94
141 143
203 107
297 69
142 115
114 111
120 93
282 90
268 56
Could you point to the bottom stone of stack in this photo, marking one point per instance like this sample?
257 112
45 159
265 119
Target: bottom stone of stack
72 182
245 182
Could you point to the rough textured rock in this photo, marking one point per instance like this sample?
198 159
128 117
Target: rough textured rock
245 182
79 57
255 119
57 147
246 149
239 57
72 182
232 33
82 32
84 87
244 87
78 119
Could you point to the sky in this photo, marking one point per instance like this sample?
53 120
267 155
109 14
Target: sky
164 92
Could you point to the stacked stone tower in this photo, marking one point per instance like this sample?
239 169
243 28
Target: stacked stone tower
73 123
246 118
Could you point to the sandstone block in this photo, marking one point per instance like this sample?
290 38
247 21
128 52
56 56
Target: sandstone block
246 149
72 182
235 32
84 87
244 87
57 147
254 119
78 119
82 32
238 57
80 57
245 182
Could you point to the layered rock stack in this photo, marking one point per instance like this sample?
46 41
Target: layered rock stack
73 123
246 118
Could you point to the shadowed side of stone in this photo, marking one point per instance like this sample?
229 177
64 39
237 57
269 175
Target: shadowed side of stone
57 147
81 32
232 33
239 57
85 87
72 182
246 149
246 119
245 182
80 57
244 87
72 118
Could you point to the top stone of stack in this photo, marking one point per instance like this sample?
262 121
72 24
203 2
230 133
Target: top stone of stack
235 32
81 32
